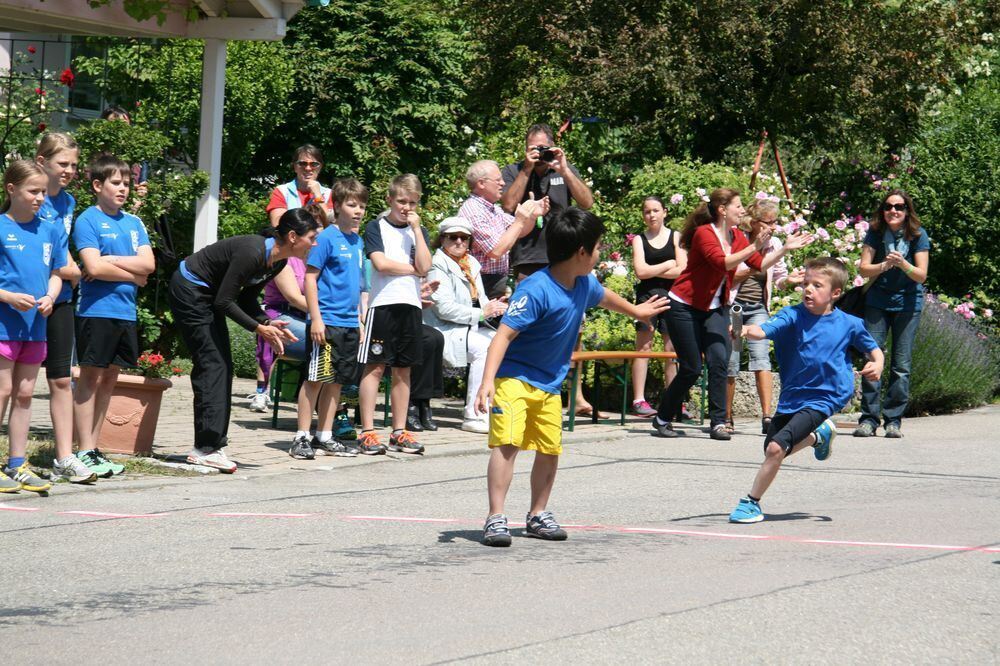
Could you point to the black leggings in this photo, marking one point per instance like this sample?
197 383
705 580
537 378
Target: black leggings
694 332
787 430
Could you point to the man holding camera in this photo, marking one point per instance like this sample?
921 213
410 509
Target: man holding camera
543 173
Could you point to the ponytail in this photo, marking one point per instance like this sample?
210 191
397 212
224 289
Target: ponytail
707 212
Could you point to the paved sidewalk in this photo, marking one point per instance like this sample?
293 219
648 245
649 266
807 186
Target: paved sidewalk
257 447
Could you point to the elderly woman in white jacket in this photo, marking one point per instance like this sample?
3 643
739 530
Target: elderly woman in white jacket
460 310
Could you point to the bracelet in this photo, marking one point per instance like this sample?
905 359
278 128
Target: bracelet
909 270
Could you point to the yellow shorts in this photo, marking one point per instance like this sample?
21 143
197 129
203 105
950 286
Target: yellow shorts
526 417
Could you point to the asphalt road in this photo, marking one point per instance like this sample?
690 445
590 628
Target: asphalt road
887 553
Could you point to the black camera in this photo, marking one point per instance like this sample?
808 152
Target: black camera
545 154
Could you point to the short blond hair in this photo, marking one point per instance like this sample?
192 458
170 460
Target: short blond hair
405 182
832 268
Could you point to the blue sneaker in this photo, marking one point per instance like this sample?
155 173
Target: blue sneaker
747 511
342 428
825 434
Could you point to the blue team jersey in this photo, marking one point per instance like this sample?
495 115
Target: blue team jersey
58 210
339 258
121 235
814 356
547 317
30 252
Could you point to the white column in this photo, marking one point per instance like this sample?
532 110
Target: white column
213 90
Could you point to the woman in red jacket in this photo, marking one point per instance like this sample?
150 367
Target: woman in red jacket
697 319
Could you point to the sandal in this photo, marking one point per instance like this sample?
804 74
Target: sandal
730 427
589 412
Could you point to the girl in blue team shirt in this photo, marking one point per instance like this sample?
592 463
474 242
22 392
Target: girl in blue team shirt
31 254
117 259
58 156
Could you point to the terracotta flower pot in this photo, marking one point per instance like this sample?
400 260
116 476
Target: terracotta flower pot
130 423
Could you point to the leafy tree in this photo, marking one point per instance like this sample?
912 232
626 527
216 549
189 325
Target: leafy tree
380 86
697 77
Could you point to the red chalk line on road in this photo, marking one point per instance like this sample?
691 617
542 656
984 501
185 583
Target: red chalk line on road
605 528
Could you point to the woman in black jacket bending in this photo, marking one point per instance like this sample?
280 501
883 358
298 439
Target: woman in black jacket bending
222 280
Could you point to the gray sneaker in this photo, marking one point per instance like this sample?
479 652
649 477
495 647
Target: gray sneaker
73 470
892 431
544 526
332 447
664 429
28 479
495 532
8 485
865 429
301 450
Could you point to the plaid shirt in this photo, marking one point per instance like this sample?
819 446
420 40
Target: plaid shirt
489 221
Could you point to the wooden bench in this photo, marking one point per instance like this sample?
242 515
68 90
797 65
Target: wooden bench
606 358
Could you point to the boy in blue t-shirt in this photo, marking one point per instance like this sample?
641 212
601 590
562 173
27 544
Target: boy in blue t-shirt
117 258
528 360
812 341
332 290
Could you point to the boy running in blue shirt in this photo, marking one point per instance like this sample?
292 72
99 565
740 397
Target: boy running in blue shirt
528 360
333 291
812 341
117 258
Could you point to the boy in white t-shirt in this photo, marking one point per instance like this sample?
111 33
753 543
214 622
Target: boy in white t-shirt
397 246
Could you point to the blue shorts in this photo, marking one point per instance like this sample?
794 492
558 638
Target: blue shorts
760 350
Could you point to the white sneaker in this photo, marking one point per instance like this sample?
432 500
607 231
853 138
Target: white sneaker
477 426
258 402
73 470
217 459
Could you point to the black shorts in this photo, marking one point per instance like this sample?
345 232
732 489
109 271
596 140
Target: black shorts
60 334
659 321
336 362
787 430
101 341
392 336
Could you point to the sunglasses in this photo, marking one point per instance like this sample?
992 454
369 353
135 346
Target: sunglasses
304 164
901 207
457 237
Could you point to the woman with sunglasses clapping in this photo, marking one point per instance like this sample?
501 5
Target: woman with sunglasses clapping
461 311
895 255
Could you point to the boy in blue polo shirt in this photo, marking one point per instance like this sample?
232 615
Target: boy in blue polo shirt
529 358
117 258
812 341
333 291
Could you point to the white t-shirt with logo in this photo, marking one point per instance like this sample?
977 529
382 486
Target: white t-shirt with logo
398 244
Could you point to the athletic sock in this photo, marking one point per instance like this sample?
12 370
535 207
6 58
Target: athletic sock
396 431
755 500
660 422
261 386
301 433
14 463
324 435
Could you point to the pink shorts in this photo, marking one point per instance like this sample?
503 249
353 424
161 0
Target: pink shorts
24 351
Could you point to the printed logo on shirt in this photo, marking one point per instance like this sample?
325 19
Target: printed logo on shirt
68 223
557 180
11 238
517 307
46 253
135 240
111 236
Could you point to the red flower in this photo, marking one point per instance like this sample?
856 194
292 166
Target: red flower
41 127
39 91
31 50
67 78
177 370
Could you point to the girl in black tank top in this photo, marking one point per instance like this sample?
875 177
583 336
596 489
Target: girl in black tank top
656 268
